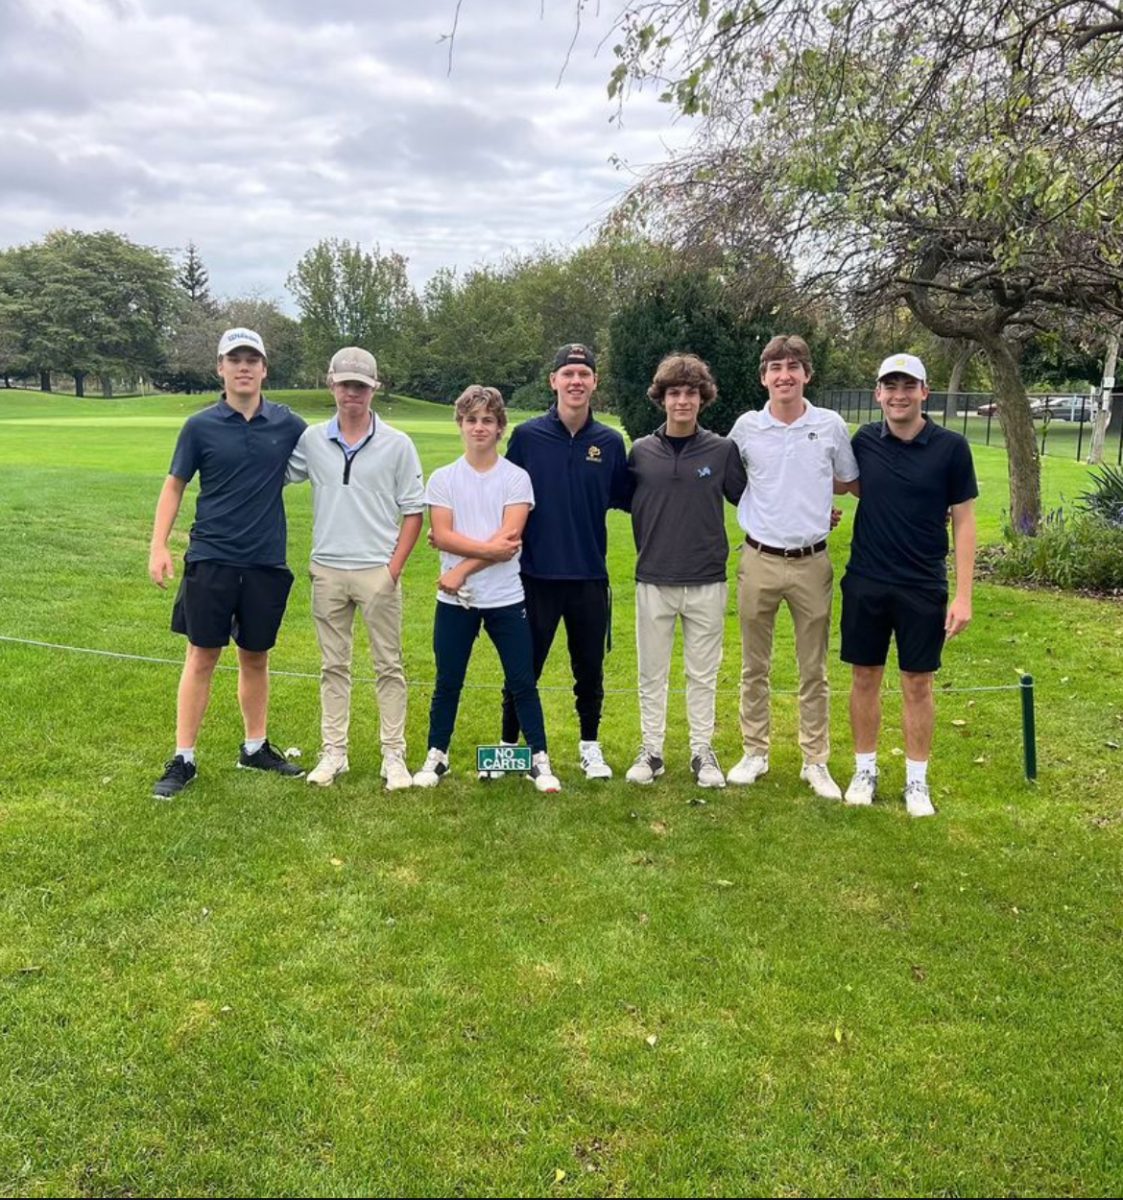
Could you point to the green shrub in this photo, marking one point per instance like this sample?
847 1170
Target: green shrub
1080 551
1105 499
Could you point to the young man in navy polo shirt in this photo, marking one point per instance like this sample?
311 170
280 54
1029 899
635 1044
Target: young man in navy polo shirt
913 473
235 581
579 469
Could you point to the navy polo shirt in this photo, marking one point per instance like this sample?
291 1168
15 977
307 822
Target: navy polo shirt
239 515
901 528
577 478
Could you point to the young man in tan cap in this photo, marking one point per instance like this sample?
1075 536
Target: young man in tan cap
368 498
914 473
235 581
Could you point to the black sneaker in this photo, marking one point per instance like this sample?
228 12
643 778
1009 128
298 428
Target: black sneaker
267 759
178 773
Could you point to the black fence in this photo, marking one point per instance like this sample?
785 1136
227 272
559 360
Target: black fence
1063 423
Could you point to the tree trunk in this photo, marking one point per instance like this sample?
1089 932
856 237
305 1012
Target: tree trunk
44 381
1021 440
107 387
963 356
79 383
1103 415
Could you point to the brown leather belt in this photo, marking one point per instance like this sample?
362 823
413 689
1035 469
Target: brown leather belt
800 552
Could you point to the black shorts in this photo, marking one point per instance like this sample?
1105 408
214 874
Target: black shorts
872 612
217 602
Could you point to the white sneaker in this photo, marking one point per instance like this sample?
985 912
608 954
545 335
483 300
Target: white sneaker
819 777
544 778
918 801
488 776
395 771
647 767
707 771
332 763
862 789
592 761
432 770
749 769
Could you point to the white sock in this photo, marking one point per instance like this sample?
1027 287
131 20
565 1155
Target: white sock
253 745
916 772
866 762
187 753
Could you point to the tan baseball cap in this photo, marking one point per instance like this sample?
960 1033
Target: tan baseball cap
353 363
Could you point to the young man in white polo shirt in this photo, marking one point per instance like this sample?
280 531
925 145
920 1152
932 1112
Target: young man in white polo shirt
368 501
796 456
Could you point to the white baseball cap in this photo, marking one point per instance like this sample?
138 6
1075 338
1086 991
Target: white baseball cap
232 339
902 364
353 363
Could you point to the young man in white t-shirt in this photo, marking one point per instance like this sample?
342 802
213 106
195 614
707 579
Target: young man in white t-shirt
478 507
796 457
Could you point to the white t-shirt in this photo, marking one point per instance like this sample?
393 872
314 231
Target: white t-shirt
791 470
477 500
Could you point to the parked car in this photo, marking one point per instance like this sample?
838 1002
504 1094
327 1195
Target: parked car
1059 408
987 410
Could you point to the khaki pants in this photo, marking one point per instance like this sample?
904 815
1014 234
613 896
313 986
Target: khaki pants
701 608
335 596
763 581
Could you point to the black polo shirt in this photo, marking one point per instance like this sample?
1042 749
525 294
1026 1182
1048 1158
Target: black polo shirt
239 515
901 530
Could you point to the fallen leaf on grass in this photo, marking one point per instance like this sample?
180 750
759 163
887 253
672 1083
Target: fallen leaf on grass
980 759
838 1034
724 882
697 802
642 918
559 1175
1112 745
336 862
30 970
897 751
651 1039
919 974
959 723
659 827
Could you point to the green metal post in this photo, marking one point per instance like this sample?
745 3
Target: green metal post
1029 728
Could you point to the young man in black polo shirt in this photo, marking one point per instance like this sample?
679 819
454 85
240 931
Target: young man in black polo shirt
579 469
913 472
235 581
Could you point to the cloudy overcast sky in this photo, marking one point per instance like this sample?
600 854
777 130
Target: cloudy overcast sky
257 130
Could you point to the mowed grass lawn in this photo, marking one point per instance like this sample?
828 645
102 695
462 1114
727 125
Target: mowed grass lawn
265 988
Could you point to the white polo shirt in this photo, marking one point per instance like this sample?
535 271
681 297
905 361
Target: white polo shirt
791 470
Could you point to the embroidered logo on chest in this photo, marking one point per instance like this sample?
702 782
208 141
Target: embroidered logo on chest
704 472
593 455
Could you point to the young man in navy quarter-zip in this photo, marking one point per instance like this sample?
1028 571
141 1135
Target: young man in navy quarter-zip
682 474
368 500
579 471
235 581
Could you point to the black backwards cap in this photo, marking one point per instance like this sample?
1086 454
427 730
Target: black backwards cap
574 354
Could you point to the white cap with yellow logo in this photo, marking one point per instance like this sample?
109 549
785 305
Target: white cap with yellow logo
902 364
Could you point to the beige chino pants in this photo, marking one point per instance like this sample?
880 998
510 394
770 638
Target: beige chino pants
701 608
805 585
335 597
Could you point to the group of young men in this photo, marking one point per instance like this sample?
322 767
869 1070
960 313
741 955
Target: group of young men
523 546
